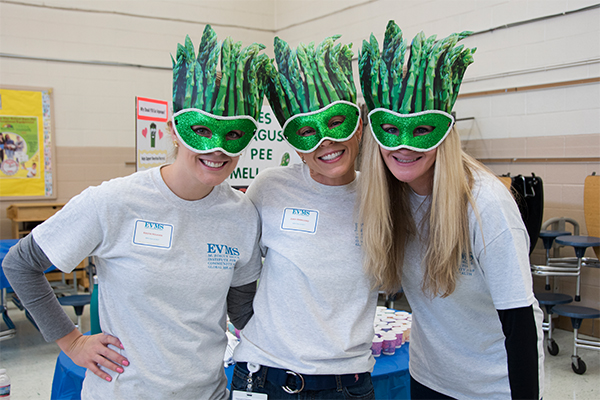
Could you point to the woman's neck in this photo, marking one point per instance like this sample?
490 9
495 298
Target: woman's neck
182 184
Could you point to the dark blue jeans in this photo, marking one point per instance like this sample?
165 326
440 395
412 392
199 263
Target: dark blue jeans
418 391
363 390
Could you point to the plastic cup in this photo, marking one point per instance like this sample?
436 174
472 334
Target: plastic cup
389 344
377 346
399 332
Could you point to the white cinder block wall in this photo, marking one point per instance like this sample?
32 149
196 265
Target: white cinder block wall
94 104
97 56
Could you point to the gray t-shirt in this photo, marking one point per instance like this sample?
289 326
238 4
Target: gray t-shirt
457 344
314 309
164 267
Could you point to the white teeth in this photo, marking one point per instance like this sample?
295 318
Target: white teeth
406 161
213 164
332 155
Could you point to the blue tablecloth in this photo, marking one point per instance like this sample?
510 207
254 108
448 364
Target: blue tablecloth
391 379
5 245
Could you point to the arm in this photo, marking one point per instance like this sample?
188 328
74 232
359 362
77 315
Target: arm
239 304
24 266
518 325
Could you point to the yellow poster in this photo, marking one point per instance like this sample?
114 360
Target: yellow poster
25 157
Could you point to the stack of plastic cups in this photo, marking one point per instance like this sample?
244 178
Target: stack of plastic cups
392 330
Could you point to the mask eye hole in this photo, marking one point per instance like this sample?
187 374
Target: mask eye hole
234 134
391 129
203 131
423 130
336 121
306 131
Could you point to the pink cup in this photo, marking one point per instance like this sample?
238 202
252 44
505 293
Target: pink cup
399 338
389 345
377 346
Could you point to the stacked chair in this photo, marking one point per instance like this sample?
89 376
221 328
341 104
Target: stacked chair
591 206
558 303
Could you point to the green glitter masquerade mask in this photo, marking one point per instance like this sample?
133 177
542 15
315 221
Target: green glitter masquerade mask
222 101
431 81
395 131
307 81
337 122
202 132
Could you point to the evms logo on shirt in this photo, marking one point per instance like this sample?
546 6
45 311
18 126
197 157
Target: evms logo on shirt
221 256
467 267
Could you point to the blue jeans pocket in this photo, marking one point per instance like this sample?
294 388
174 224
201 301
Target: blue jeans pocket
239 380
363 391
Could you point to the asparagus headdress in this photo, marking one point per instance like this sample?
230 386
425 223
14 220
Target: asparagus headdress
429 85
433 75
308 80
234 93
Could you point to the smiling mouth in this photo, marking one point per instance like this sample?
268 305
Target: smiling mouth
403 161
213 164
331 156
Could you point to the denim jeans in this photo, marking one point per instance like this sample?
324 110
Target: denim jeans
363 390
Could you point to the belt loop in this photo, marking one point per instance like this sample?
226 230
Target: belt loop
338 382
263 377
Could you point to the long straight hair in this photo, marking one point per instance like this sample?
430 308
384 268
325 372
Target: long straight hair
388 223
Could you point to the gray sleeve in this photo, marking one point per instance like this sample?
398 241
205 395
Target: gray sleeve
24 267
239 304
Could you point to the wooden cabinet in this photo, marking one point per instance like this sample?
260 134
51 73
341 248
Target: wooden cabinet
25 216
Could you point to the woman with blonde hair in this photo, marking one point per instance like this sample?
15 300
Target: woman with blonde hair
438 224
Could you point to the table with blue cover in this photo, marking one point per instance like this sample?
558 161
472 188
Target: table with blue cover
391 379
5 245
8 333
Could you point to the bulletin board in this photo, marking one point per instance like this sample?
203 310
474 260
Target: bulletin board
26 152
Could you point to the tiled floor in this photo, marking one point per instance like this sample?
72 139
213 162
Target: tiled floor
30 362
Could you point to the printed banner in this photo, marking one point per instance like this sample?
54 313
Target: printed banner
267 149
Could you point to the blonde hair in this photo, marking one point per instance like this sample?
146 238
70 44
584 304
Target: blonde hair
388 223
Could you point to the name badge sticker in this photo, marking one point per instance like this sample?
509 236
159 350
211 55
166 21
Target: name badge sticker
239 395
300 220
153 234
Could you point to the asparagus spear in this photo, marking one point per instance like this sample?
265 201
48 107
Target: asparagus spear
313 100
210 77
419 95
257 84
364 69
464 60
345 61
321 94
231 92
322 51
226 50
411 76
275 94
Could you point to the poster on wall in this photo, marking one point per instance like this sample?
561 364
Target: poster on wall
267 149
152 142
26 144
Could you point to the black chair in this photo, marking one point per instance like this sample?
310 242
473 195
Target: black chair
78 301
549 300
577 315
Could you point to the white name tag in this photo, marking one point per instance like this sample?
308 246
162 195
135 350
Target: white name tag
154 234
300 220
239 395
